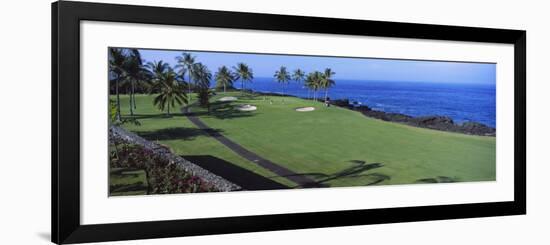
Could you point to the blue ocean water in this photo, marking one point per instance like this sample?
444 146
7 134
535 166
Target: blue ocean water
461 102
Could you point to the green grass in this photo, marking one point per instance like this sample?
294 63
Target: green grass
337 146
125 182
183 137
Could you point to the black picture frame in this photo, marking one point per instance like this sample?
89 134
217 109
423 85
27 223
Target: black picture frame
66 17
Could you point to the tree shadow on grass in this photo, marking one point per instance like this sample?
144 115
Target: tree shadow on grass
438 179
177 133
249 96
137 186
358 169
124 172
223 110
127 175
152 116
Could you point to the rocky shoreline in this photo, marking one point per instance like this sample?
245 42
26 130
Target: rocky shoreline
442 123
436 122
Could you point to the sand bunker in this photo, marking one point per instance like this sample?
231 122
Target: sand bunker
246 108
228 99
305 108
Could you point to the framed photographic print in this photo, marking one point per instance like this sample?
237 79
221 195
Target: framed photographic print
175 122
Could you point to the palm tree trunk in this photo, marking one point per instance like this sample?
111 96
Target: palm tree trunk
118 117
242 86
168 111
134 96
326 94
224 88
315 95
189 90
283 93
131 98
135 105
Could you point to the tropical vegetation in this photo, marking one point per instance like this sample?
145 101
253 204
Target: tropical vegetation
202 76
186 64
282 76
298 75
243 73
136 170
168 91
327 81
224 78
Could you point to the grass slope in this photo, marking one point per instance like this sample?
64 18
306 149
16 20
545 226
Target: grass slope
333 145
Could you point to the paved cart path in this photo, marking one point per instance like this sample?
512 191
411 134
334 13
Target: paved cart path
302 181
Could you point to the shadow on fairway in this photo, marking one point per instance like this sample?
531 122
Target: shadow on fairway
248 180
359 169
124 172
253 97
176 133
126 178
223 110
438 179
152 116
138 186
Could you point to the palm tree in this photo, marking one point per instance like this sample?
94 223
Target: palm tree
169 90
136 74
244 73
298 76
117 61
313 82
223 78
282 77
204 95
185 63
202 77
327 81
158 68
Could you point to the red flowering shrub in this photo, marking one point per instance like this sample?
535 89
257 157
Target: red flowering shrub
162 176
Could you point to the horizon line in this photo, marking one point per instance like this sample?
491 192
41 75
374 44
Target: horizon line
396 81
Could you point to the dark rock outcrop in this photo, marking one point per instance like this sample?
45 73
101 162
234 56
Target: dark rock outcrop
436 122
478 129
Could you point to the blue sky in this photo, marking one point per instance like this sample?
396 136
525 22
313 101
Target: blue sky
265 65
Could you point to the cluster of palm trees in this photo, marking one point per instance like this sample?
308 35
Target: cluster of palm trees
173 86
225 78
126 71
314 81
128 74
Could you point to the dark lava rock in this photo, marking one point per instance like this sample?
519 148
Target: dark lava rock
436 122
341 103
478 129
390 117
